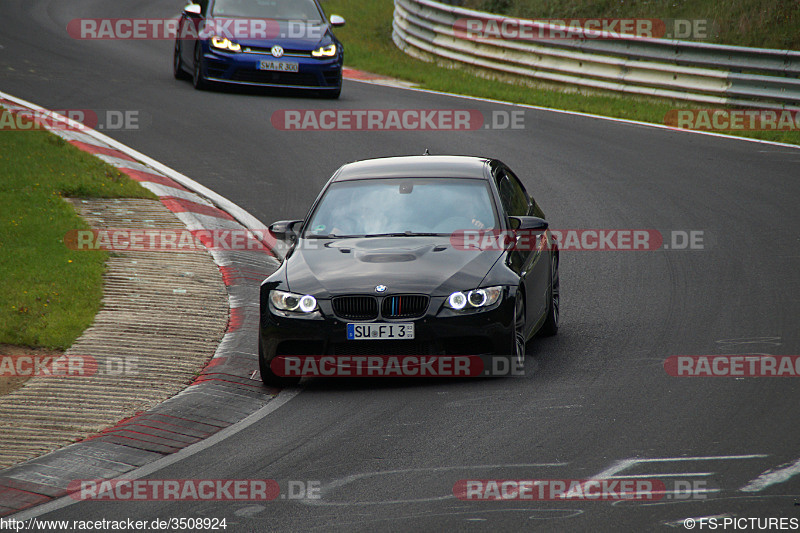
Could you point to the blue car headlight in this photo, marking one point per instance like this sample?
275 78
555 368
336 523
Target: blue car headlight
474 299
223 43
325 51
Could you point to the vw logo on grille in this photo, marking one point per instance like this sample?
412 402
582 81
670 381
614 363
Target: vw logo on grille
277 50
380 288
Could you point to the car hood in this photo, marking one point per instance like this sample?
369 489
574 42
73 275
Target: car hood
429 265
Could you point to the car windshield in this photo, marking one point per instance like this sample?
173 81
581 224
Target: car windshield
402 206
305 10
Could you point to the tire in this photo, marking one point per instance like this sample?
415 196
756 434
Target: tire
268 377
550 326
198 78
177 63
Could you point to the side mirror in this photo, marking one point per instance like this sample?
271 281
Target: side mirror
285 229
337 21
528 223
193 9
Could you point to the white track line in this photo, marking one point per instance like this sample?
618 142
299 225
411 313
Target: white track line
284 397
624 464
773 476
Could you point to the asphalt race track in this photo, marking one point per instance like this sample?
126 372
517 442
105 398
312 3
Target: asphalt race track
386 454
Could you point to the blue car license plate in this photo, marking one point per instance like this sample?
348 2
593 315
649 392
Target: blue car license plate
278 66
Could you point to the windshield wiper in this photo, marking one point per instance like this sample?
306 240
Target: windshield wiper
408 234
335 236
369 235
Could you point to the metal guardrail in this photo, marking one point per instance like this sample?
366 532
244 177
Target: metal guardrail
685 70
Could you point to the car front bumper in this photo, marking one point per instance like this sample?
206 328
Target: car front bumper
242 69
440 331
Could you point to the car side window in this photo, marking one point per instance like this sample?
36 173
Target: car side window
203 6
512 194
533 207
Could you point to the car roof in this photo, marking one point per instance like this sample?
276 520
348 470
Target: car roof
415 166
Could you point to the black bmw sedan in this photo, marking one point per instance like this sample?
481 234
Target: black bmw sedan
415 255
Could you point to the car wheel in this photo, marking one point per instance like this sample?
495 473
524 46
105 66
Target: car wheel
177 64
519 330
550 326
199 79
268 377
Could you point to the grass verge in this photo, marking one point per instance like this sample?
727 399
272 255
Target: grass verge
50 293
367 38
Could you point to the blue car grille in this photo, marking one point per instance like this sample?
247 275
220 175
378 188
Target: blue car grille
404 306
268 51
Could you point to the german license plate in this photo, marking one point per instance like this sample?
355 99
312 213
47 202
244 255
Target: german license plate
278 66
378 331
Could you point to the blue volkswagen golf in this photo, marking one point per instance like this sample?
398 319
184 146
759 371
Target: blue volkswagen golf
267 43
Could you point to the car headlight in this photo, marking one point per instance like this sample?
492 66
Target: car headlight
325 51
473 299
295 303
223 43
